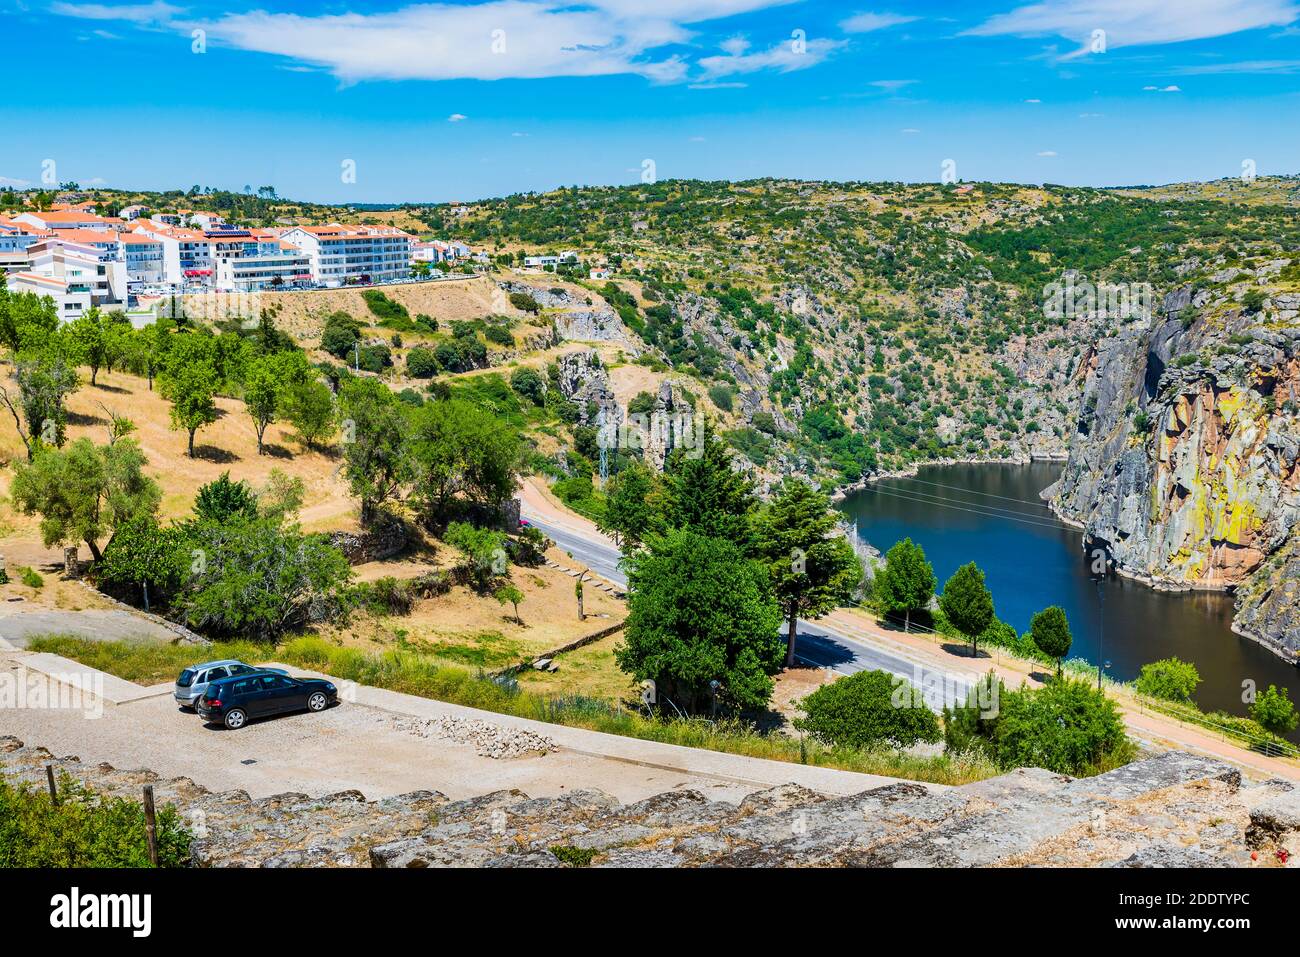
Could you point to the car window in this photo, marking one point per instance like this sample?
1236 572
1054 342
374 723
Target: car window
266 681
186 679
239 670
282 682
240 687
216 673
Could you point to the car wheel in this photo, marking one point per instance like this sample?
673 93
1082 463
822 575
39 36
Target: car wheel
235 719
317 702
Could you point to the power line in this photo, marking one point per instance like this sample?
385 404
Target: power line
971 508
969 491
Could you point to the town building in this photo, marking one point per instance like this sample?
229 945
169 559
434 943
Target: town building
349 255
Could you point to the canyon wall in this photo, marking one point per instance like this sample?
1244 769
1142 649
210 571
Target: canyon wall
1183 465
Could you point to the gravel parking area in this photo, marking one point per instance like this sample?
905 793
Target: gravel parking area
348 746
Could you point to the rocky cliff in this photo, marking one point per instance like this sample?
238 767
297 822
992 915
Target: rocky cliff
1184 463
1171 810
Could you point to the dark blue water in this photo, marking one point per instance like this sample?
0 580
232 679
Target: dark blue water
991 515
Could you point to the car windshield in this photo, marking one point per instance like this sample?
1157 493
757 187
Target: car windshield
186 679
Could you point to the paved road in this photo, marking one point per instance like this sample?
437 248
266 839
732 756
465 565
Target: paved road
817 644
17 628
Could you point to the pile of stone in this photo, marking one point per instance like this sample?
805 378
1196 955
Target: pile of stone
488 740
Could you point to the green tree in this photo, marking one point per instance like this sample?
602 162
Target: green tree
88 342
967 603
510 595
702 493
27 321
1050 630
867 709
222 499
457 449
529 384
1274 712
259 578
374 429
700 611
484 549
309 408
1169 678
906 583
262 396
45 380
85 492
192 391
628 511
1068 726
812 568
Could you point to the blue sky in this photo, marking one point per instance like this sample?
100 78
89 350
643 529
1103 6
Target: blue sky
464 100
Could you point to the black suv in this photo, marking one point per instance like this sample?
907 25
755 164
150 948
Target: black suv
232 701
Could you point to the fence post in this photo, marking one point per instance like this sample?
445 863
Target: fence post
54 791
150 825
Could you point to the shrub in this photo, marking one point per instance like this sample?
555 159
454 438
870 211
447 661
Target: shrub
340 334
421 363
30 577
84 829
500 335
375 358
386 596
1068 727
1170 679
866 709
524 302
722 397
1274 711
529 384
383 307
461 353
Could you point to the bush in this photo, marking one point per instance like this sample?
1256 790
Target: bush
1170 679
386 596
500 335
30 577
461 353
866 709
421 363
1068 727
524 302
375 358
383 307
1274 711
529 384
340 334
84 829
722 397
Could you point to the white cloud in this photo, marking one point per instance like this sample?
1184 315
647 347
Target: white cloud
718 86
870 22
457 118
1034 100
909 130
784 57
1279 67
1046 153
891 85
490 40
1163 89
1138 22
15 183
130 13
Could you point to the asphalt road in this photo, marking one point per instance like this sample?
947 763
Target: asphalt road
817 644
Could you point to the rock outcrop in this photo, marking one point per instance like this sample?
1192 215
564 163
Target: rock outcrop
1171 810
1184 463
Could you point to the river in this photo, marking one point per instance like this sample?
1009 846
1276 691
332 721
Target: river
991 514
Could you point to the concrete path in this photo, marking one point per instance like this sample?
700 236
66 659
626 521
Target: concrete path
18 625
363 744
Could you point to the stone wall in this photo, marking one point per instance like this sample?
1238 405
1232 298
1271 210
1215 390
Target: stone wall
1172 810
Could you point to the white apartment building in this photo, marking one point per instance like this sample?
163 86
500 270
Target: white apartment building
274 265
343 255
541 262
71 297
